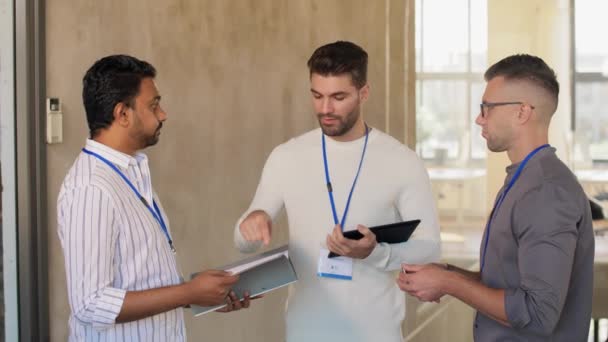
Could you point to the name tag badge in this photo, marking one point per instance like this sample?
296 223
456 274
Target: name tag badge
338 268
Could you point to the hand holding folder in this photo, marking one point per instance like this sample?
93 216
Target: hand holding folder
211 287
257 275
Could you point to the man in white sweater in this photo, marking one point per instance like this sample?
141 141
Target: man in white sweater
343 176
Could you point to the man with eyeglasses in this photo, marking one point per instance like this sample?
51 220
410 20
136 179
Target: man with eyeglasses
536 270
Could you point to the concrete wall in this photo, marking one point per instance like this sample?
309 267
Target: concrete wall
234 82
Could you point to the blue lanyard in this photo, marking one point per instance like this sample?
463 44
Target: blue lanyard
155 212
501 199
330 190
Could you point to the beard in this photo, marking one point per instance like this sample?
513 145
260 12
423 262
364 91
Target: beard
151 140
343 124
499 143
143 138
493 147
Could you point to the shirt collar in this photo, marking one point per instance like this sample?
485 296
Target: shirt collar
539 155
121 159
545 151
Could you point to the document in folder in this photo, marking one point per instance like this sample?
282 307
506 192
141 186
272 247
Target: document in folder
257 275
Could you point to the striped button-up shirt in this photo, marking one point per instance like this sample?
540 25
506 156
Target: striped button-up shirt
112 244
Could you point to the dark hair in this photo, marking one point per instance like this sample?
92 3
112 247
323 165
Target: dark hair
526 68
111 80
340 58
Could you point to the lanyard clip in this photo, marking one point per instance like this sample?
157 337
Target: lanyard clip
143 200
172 247
329 188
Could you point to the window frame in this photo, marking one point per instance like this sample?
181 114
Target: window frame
468 76
578 78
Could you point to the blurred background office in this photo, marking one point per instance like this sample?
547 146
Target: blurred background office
234 82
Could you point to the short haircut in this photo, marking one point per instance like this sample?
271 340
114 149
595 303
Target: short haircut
111 80
529 68
340 58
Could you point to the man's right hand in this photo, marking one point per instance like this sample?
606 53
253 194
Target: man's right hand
210 287
257 226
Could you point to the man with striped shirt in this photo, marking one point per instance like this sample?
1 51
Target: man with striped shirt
123 280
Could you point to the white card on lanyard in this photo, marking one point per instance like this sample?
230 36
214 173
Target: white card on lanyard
338 268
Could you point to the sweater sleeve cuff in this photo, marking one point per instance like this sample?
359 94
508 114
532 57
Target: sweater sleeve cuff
380 256
108 307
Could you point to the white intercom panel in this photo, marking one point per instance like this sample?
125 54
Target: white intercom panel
54 121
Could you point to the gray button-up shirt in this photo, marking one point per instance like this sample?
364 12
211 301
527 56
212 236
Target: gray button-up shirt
540 250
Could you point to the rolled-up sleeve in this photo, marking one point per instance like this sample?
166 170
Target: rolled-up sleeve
88 231
545 227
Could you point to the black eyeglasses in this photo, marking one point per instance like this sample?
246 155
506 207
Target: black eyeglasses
484 107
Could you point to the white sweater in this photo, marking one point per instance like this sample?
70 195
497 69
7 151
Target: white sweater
393 186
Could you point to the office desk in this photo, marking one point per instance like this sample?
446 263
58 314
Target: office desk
462 179
593 181
592 176
600 227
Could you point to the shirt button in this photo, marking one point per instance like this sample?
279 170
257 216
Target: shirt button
475 325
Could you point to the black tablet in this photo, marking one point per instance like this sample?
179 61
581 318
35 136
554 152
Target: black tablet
389 233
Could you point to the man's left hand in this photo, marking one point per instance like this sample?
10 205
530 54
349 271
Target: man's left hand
356 249
234 304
